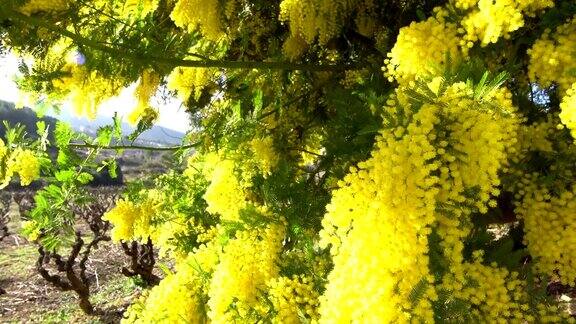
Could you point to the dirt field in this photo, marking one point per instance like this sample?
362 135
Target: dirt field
28 298
25 297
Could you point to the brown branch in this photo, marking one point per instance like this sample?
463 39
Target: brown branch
142 261
4 216
55 280
72 268
86 254
79 284
172 62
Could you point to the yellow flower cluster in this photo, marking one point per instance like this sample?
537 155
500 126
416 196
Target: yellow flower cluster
86 89
489 20
480 143
484 139
422 47
5 177
534 137
133 221
429 173
496 296
124 216
139 8
378 224
26 164
165 230
161 228
323 20
464 4
149 82
228 280
188 81
293 298
264 153
35 6
568 109
150 216
294 46
3 150
549 223
552 57
225 195
202 14
545 201
177 299
19 161
247 263
31 230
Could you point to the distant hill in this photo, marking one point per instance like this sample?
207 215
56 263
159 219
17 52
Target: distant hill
26 116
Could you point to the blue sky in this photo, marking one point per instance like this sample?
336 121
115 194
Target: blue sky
172 114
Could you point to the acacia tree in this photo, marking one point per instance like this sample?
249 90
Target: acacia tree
350 160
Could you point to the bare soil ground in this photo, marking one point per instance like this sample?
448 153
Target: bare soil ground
25 297
28 298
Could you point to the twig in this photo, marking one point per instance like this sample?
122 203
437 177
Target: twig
174 62
133 147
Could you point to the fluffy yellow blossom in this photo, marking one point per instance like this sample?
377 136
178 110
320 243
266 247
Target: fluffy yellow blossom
490 20
4 175
178 298
225 196
35 6
187 15
568 109
31 229
552 57
123 217
323 20
380 218
149 82
464 4
419 179
139 8
189 81
247 263
25 163
535 137
266 156
294 47
85 89
495 295
545 201
478 149
293 298
549 222
422 47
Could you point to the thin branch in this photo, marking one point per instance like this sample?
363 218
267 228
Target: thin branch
133 147
305 151
30 20
102 12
